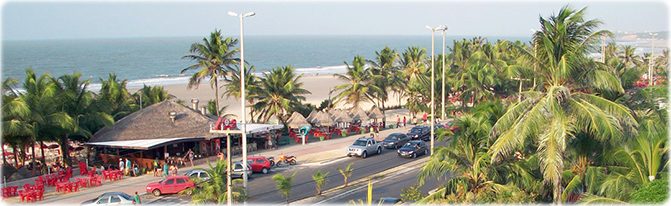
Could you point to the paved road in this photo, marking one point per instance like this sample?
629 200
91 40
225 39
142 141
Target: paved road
264 190
391 187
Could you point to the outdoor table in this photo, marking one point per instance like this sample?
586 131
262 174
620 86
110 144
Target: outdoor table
9 191
27 195
63 186
96 180
74 187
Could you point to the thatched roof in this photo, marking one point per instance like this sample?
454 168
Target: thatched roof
154 122
358 114
311 116
323 119
375 113
297 121
342 116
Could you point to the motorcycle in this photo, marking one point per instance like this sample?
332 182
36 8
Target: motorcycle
290 160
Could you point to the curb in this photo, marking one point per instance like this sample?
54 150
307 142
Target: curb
359 183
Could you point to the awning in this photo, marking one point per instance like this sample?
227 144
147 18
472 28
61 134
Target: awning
144 144
254 128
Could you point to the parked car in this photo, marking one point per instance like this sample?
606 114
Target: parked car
259 164
395 140
111 198
389 201
364 146
412 149
170 185
198 175
419 132
237 170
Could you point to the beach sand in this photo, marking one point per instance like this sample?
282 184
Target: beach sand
318 85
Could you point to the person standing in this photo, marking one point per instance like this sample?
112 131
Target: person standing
156 168
190 155
136 197
398 121
424 118
129 167
121 164
403 122
166 168
136 171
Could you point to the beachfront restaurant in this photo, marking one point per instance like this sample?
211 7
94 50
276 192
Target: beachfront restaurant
168 130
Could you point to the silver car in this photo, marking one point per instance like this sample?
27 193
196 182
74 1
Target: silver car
237 170
197 174
111 198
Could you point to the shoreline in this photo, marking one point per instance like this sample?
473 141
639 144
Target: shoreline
318 84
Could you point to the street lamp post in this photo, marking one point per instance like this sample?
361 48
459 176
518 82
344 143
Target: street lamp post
652 59
442 116
242 100
433 34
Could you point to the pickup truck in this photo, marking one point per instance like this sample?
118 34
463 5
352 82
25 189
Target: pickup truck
364 146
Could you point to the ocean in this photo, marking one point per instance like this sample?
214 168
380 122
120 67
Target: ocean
158 61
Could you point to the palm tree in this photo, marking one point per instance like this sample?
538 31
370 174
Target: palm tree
346 172
77 102
357 88
15 118
384 75
148 96
284 185
212 58
553 117
215 190
280 92
412 63
232 86
321 180
113 97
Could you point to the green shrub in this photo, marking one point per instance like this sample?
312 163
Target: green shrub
656 191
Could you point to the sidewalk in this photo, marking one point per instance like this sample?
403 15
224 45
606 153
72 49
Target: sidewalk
310 153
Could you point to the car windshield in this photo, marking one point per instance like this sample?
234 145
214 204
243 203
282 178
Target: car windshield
410 144
125 196
161 182
360 143
416 130
393 137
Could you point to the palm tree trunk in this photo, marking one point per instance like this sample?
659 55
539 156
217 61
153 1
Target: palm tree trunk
4 158
557 192
64 149
16 157
216 95
33 165
44 161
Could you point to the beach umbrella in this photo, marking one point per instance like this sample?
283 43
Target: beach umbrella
323 119
375 113
311 116
342 116
358 114
297 121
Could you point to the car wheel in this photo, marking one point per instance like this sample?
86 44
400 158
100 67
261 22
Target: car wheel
414 155
189 191
264 170
293 162
156 192
426 151
379 150
364 155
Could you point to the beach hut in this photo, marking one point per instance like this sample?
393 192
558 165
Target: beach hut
375 113
323 119
358 114
311 116
297 121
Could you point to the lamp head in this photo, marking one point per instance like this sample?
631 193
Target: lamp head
428 27
248 14
232 13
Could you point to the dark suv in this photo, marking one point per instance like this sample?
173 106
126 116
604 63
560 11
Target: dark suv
420 132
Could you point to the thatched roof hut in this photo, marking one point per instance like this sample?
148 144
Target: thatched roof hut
375 113
297 121
155 122
358 114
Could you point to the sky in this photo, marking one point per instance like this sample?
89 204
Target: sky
38 20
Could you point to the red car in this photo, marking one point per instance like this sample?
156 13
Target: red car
259 164
170 185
